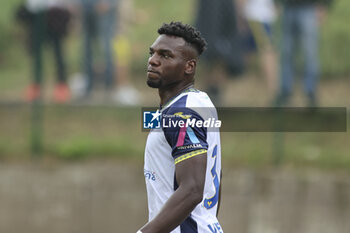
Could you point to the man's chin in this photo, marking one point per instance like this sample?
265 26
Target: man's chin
153 83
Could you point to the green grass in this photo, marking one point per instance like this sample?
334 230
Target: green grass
318 150
109 132
73 131
7 22
335 39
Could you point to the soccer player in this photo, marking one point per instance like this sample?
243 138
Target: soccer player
182 163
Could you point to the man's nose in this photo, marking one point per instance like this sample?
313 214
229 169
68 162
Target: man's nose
153 60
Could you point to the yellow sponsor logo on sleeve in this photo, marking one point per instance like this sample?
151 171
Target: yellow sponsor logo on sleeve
180 114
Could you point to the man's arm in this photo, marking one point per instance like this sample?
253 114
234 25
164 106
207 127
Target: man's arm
190 176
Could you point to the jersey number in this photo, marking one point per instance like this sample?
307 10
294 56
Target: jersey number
211 202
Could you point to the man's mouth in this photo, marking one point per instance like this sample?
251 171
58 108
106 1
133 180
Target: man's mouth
152 73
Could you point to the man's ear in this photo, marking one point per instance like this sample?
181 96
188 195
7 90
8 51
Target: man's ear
190 67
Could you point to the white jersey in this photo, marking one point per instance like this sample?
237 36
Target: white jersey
40 5
167 147
260 10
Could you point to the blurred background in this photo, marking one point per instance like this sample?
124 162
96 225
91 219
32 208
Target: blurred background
72 84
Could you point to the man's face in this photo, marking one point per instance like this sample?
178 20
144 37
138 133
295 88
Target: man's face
166 64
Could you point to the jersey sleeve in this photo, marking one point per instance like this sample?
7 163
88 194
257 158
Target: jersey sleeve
186 138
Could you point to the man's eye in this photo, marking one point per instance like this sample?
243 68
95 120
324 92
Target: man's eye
166 56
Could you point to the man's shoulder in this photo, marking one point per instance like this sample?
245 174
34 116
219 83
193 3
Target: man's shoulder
194 103
198 100
192 98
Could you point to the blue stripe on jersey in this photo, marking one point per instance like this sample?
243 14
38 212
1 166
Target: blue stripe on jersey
212 201
180 102
189 226
192 136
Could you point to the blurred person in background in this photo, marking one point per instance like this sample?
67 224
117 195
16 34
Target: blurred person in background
300 23
260 15
218 24
99 24
125 93
46 21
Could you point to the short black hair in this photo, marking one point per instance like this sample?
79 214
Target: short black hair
190 34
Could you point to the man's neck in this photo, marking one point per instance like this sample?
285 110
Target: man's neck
166 95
